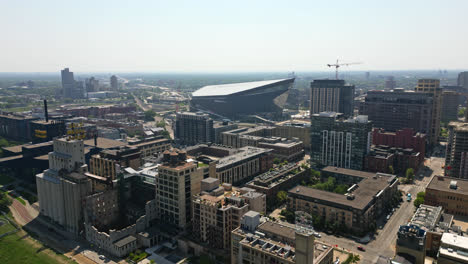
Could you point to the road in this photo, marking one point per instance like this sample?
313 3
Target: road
157 118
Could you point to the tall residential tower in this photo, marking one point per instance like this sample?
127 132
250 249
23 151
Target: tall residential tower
331 96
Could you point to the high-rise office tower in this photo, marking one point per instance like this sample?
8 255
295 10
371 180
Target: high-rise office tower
450 103
390 83
114 83
331 96
71 88
339 142
61 189
397 109
456 157
432 86
194 128
68 82
92 85
463 79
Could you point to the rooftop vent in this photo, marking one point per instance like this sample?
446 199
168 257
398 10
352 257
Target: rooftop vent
453 185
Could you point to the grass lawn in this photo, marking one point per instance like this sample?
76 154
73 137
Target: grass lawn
5 179
6 227
16 248
20 200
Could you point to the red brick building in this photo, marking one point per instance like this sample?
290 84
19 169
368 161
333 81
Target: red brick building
405 138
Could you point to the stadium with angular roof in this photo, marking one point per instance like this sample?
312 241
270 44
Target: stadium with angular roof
237 100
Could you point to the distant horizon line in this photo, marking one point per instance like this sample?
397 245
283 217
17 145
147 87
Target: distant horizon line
226 72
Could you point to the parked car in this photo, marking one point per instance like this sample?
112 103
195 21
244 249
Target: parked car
317 235
361 248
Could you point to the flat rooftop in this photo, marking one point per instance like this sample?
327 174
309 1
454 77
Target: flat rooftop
124 241
454 246
355 173
277 229
367 189
441 183
104 143
245 153
233 88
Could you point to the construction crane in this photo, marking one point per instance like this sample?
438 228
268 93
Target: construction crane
337 65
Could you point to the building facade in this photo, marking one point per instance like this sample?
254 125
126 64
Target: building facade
339 142
114 83
71 88
450 193
356 210
450 103
62 188
193 128
243 165
271 242
216 214
396 110
432 87
456 152
176 182
331 96
462 80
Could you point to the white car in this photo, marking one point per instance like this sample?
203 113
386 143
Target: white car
317 235
102 257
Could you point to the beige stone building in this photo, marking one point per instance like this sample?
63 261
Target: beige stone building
218 210
176 182
61 189
152 146
432 86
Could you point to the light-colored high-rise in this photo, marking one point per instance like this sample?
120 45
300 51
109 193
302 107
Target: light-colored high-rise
62 188
432 86
177 181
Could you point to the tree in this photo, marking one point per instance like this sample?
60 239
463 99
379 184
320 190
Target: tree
391 170
276 160
420 197
149 115
281 196
410 174
461 112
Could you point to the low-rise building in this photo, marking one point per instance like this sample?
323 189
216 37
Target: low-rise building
270 242
104 163
453 249
279 179
380 158
151 146
215 214
243 165
358 209
450 193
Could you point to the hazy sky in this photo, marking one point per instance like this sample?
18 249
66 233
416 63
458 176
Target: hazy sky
197 35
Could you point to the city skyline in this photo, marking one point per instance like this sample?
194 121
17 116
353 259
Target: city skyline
232 37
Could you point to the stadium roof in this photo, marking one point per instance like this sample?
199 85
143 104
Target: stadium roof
232 88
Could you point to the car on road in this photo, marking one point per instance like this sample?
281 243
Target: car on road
408 198
361 248
317 235
388 217
102 257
